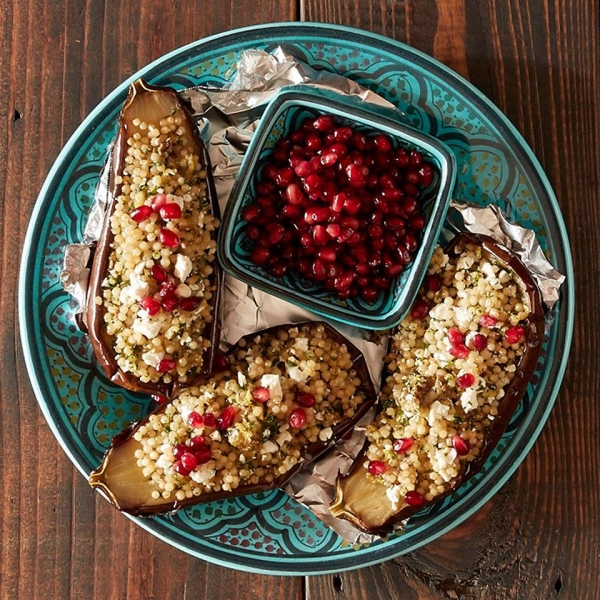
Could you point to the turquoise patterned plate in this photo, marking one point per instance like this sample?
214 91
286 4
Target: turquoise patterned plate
268 532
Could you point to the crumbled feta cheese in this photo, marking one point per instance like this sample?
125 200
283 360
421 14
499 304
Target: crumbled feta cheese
325 434
273 383
242 458
301 343
269 448
465 261
468 400
283 437
441 312
488 270
394 495
437 412
215 436
152 358
463 317
241 379
442 459
303 371
183 267
203 475
163 462
149 329
135 291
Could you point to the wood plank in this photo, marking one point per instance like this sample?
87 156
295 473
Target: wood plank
59 60
538 61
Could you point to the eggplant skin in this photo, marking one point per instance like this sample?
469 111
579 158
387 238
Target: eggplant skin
293 353
363 499
145 102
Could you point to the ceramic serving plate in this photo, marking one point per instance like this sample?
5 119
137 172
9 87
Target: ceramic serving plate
269 532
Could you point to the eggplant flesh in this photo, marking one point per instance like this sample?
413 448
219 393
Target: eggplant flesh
156 257
289 393
450 434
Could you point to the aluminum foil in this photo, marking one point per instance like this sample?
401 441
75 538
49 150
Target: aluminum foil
226 120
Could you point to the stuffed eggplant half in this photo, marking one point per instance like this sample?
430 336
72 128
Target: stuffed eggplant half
154 283
456 369
283 396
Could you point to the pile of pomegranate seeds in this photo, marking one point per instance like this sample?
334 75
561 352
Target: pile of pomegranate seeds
339 207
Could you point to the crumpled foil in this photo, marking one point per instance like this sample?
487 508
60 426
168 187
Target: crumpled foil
226 119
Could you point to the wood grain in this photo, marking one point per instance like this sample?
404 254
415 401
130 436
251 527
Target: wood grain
538 60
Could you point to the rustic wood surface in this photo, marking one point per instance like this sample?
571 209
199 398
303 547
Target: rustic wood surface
538 60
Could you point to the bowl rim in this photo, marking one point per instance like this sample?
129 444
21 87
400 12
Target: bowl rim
364 113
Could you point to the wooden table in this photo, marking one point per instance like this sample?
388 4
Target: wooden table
539 537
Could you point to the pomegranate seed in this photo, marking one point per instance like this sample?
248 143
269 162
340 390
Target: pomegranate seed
327 254
317 215
319 236
294 194
169 238
279 270
150 305
253 232
513 335
158 273
465 381
179 450
382 143
302 169
333 230
313 181
191 303
343 282
352 205
377 467
455 336
170 211
226 417
403 445
356 175
197 442
337 204
260 255
203 455
415 158
329 159
195 419
419 310
298 418
179 468
275 233
462 446
412 177
369 293
433 283
251 213
170 303
305 399
141 214
342 134
413 498
189 461
410 242
158 201
417 222
459 351
313 141
324 123
166 365
284 177
487 321
167 288
221 362
479 342
426 175
160 398
210 421
261 394
320 270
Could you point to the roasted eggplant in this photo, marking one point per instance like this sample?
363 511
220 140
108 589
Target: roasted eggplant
283 396
456 369
155 283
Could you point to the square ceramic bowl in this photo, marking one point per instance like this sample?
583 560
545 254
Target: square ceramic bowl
284 115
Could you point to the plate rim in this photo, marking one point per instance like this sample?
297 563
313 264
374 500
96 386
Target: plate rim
383 553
